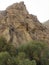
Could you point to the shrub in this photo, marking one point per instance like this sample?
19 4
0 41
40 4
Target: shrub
3 43
4 58
11 49
27 62
33 50
31 53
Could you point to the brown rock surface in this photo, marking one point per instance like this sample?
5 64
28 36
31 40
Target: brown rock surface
18 26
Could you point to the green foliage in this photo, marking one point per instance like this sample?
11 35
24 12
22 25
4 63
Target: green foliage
11 49
3 43
4 58
34 51
31 53
21 55
27 62
45 57
21 59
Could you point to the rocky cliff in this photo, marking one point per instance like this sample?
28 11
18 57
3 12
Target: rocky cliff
18 26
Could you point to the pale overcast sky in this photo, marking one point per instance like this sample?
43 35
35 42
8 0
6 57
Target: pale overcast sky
36 7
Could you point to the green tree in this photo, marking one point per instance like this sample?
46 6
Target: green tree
45 57
4 57
27 62
21 59
3 43
33 50
11 49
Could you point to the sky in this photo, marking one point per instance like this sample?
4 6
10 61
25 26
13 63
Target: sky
40 8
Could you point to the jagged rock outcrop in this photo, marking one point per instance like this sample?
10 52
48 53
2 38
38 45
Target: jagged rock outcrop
18 26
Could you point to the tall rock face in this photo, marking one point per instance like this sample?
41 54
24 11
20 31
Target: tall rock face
18 26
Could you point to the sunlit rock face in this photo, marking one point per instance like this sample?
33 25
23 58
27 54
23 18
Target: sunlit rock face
19 27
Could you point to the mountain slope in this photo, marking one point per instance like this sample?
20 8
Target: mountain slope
47 24
18 26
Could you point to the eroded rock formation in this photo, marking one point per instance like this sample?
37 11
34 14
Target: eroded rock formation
18 26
